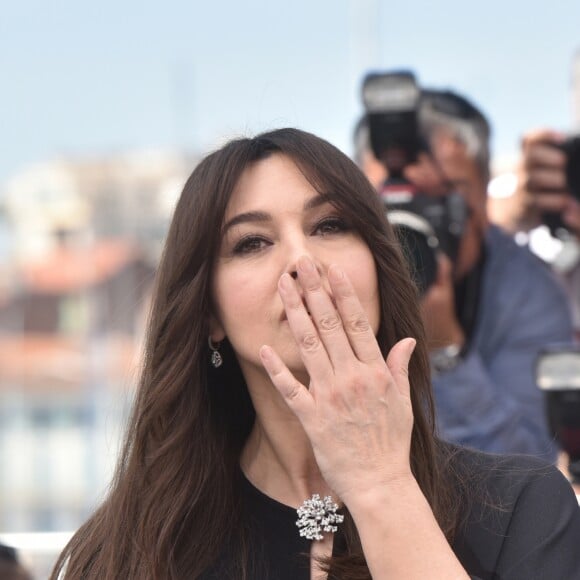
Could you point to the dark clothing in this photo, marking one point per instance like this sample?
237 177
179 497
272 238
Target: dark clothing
527 529
490 400
523 523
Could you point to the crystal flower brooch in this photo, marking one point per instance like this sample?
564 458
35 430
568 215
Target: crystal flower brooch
316 516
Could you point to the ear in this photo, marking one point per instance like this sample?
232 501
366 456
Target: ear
216 330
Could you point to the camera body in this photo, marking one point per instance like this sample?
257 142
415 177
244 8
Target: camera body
553 220
558 376
572 149
424 223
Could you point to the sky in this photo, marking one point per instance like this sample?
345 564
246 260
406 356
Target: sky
85 78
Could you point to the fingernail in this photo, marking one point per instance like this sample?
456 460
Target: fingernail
285 282
266 352
306 265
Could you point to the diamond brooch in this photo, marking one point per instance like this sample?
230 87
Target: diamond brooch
316 516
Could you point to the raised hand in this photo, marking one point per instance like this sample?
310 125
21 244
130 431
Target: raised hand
438 309
356 409
542 181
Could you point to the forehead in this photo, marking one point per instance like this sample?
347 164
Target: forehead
454 158
275 181
447 147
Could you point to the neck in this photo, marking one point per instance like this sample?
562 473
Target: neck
277 457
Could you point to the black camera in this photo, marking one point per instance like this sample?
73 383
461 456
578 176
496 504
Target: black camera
558 375
572 149
553 220
424 223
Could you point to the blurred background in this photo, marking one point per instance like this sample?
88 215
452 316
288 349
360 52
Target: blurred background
105 109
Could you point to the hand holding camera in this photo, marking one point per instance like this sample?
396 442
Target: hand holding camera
549 182
438 309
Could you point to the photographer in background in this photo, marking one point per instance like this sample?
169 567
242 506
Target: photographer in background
492 306
542 188
10 567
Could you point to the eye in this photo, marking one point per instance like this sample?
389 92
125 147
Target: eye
331 225
250 244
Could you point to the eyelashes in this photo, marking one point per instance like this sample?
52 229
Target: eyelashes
331 225
250 244
327 227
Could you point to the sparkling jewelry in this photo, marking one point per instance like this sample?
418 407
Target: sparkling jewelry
316 516
216 357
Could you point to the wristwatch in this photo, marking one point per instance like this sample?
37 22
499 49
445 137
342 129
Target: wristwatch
445 359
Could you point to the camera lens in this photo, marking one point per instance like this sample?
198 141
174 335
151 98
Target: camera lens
420 246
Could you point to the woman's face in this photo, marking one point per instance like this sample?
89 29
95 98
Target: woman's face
273 217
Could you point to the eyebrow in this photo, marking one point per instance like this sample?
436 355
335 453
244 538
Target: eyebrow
262 216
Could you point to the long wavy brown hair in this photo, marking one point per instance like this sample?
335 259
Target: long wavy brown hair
175 500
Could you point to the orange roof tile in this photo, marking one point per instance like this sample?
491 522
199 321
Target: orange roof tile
69 269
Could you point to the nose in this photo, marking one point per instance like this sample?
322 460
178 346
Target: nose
298 252
296 243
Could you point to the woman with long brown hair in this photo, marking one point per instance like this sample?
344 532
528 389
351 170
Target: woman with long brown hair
283 426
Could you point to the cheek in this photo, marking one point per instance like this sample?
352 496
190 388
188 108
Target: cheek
365 282
240 297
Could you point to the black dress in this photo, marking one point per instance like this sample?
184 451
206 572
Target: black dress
523 524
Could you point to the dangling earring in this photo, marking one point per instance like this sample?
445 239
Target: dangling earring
216 357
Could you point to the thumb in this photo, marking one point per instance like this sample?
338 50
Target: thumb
398 363
444 269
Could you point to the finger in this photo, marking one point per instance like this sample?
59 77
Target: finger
444 270
307 338
324 313
537 136
544 155
546 178
547 201
398 363
444 276
359 332
294 393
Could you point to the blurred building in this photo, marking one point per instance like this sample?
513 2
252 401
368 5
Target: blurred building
68 359
130 196
81 243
